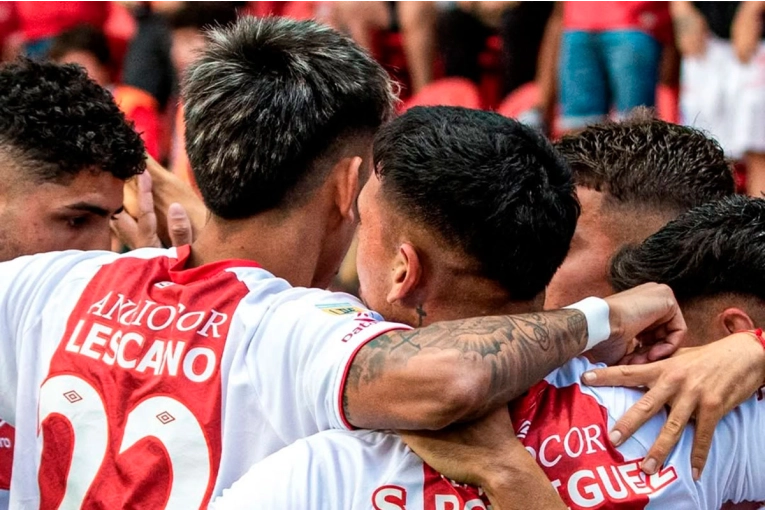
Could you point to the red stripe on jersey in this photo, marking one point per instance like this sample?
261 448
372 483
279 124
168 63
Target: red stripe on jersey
566 431
130 412
6 455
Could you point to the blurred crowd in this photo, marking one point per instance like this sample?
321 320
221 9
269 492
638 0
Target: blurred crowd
558 66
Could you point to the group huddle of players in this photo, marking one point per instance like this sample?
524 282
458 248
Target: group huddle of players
472 372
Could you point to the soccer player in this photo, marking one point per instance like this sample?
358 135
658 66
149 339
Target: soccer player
632 177
157 378
430 255
65 152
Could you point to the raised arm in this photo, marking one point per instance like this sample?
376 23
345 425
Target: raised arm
431 377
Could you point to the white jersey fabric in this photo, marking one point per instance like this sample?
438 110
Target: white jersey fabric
563 424
133 382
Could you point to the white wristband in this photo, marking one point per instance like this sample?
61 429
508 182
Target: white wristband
596 312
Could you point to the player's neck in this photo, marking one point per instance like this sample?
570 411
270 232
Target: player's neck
474 298
287 247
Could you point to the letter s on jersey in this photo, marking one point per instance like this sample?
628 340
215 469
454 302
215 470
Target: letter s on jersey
389 497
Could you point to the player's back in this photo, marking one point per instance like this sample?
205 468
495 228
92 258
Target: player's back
154 385
565 425
562 424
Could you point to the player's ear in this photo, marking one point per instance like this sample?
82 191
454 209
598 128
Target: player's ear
406 274
347 181
734 320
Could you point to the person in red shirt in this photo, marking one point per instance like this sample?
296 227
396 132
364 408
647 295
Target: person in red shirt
609 58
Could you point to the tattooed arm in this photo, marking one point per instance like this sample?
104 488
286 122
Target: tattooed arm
430 377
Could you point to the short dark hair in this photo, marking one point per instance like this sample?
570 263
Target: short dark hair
82 38
268 102
487 184
56 122
649 163
200 15
715 248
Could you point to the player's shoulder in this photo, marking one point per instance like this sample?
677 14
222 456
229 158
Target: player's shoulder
309 303
616 400
356 444
571 372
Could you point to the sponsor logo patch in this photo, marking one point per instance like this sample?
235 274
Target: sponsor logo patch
340 309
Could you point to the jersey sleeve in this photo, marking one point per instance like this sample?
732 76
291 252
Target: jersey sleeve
303 349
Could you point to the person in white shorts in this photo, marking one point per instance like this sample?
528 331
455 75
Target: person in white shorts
156 378
562 423
723 78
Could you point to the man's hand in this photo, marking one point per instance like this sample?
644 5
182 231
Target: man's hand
746 30
649 313
141 231
691 29
705 382
487 454
167 189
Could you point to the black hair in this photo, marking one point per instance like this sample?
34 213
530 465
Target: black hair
82 38
56 122
266 104
649 163
488 185
716 248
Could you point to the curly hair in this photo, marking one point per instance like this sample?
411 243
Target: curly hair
56 122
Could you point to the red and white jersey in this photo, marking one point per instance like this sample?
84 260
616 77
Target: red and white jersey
563 424
136 383
6 461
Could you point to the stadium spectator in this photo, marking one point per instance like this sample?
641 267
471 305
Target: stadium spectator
148 65
66 151
415 20
187 24
164 418
464 27
609 58
631 177
430 258
87 46
723 90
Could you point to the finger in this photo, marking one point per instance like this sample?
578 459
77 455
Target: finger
636 416
178 225
670 434
147 218
706 421
622 375
126 229
661 351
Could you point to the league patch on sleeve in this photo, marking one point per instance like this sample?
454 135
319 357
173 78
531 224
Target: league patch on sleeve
340 309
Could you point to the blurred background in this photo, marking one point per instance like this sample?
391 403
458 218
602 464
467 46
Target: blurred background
558 66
